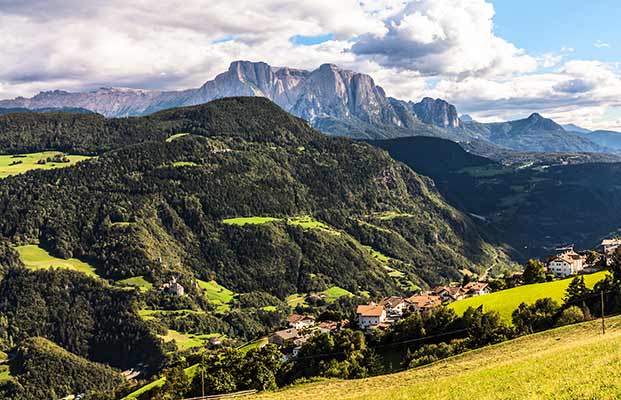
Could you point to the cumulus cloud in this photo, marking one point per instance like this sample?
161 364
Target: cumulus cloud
453 37
413 48
579 92
169 45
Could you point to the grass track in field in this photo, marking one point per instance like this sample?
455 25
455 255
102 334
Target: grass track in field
572 362
34 257
29 162
505 301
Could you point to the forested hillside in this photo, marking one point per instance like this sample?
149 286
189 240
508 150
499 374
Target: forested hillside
133 208
242 203
533 207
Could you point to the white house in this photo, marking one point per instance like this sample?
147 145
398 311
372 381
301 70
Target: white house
476 289
566 264
370 315
300 321
609 246
449 293
394 305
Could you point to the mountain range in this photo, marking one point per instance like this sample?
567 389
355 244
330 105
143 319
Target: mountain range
338 102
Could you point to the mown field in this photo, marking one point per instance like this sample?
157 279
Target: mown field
572 362
35 257
20 163
505 301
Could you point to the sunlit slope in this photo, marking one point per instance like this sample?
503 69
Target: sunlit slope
574 362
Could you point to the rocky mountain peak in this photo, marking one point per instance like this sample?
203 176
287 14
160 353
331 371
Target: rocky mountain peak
537 122
436 112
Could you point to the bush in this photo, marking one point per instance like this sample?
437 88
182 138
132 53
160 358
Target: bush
571 315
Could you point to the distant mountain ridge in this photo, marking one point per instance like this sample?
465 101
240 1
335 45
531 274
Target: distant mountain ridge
334 100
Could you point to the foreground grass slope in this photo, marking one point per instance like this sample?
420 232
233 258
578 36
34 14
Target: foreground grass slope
573 362
506 301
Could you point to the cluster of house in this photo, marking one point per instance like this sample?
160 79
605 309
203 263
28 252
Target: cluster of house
301 328
567 262
391 309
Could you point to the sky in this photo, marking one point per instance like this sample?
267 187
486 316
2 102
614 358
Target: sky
493 59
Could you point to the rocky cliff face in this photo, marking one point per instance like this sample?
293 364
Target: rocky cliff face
436 112
327 92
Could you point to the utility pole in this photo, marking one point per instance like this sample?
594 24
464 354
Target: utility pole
202 381
603 323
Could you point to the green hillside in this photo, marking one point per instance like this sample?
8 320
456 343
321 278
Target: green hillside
45 370
133 213
505 301
534 206
572 362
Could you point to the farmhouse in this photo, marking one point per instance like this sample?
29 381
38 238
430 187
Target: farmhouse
173 287
394 305
284 336
424 303
300 321
610 245
448 293
566 264
370 315
476 289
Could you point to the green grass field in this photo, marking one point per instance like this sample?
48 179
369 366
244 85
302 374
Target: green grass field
505 301
29 162
334 293
305 222
253 345
186 341
136 281
572 362
217 294
176 136
185 164
241 221
34 257
5 374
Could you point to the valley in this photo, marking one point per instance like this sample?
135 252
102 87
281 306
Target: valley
208 228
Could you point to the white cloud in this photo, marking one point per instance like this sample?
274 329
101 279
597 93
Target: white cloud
451 37
413 48
600 44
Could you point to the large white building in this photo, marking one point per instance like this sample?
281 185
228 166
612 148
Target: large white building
370 315
566 264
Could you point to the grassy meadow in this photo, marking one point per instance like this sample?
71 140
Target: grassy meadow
217 294
572 362
136 281
505 301
34 257
29 162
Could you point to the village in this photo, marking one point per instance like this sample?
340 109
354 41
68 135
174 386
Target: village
566 262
